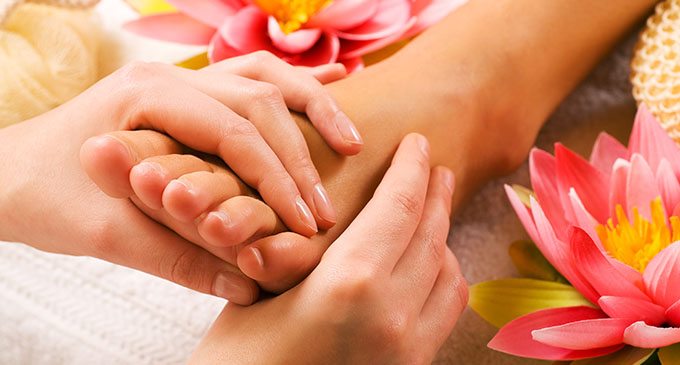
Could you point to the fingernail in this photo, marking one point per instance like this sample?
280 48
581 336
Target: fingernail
347 129
423 145
305 214
323 204
448 179
233 288
257 255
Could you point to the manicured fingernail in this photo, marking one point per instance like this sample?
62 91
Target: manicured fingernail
448 179
424 145
257 255
305 214
323 204
347 129
233 288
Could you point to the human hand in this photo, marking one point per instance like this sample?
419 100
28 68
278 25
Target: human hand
258 140
388 290
50 203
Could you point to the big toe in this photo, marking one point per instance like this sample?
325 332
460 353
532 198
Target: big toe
108 158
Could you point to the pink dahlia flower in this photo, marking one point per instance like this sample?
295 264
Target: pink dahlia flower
611 227
304 32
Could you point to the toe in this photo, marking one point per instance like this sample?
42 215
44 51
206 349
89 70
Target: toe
239 220
150 177
108 158
281 261
191 195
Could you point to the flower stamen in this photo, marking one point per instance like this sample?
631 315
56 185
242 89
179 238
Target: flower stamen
636 244
292 14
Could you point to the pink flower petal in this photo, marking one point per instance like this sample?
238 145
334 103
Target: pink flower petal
325 51
641 187
353 64
583 219
296 42
219 50
668 185
351 49
344 15
172 27
631 275
619 186
673 314
651 141
515 337
246 31
606 151
391 17
429 12
557 253
585 334
524 214
596 268
209 12
662 276
543 172
642 335
590 184
633 309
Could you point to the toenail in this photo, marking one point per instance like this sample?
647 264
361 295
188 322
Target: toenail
222 217
151 168
257 255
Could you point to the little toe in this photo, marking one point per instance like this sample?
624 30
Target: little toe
281 261
150 177
239 220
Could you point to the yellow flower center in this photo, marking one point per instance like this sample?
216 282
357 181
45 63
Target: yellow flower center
636 244
292 14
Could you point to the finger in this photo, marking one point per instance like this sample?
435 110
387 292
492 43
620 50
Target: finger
417 269
147 246
238 220
261 103
203 123
195 193
302 93
326 73
150 177
443 307
393 213
108 158
281 261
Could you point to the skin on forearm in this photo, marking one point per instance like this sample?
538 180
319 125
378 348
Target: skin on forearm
478 85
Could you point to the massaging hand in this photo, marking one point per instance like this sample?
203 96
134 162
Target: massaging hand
387 291
49 202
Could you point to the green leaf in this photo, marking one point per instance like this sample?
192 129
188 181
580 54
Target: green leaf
670 354
531 263
626 356
501 301
523 194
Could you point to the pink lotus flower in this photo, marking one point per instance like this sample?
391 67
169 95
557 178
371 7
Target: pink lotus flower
305 32
611 228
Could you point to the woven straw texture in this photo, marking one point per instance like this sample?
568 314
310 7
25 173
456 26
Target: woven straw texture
655 69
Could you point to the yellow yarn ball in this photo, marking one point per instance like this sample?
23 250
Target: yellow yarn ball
47 56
